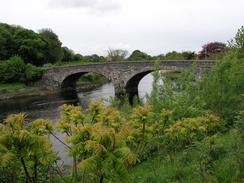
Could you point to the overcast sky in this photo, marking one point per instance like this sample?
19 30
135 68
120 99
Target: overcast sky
153 26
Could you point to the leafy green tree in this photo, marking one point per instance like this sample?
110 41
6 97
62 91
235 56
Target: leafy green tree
7 43
30 46
78 57
223 88
237 44
53 51
138 55
93 58
68 54
189 55
174 56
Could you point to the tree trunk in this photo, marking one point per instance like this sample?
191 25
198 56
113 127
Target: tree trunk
28 177
74 167
14 176
143 130
35 169
101 179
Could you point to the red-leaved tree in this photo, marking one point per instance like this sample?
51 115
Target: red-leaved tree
213 50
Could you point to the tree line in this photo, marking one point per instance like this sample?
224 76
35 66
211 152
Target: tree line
23 52
45 47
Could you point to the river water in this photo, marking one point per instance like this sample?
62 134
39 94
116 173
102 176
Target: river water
47 107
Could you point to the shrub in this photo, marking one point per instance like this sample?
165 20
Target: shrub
32 73
15 70
223 89
185 131
12 70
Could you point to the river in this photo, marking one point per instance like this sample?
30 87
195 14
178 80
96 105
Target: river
47 107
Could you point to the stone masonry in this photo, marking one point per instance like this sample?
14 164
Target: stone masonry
124 75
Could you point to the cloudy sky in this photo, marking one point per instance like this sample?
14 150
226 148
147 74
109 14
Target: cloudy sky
153 26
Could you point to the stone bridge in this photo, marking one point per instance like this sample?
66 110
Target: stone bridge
125 76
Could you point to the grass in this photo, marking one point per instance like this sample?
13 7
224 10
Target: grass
73 63
13 90
172 75
11 86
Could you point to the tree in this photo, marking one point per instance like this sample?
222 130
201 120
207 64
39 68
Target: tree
138 55
189 55
68 54
237 44
213 50
93 58
116 54
6 41
30 46
78 57
174 56
53 49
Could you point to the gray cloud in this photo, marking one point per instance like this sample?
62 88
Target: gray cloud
99 5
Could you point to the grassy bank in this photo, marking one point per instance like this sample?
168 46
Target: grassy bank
15 90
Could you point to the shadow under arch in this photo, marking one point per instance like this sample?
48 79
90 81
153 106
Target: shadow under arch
69 84
132 84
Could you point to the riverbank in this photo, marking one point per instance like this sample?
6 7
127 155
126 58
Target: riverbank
20 90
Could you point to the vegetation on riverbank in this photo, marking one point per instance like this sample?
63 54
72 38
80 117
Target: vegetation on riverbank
16 90
189 131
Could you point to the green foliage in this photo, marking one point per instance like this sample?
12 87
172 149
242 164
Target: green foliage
30 46
53 51
68 54
237 44
15 70
25 151
32 73
174 56
138 55
223 88
12 70
98 142
185 131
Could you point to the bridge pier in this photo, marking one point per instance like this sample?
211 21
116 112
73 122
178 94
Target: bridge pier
119 89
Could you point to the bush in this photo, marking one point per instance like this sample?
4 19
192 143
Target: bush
185 131
32 73
223 89
12 70
15 70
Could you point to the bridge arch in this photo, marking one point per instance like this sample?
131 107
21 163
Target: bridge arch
132 84
69 82
125 76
